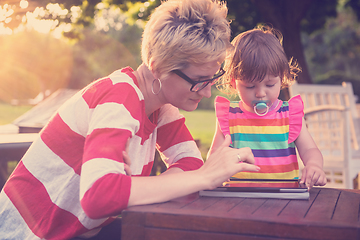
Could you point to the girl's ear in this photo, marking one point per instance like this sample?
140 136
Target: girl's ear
232 83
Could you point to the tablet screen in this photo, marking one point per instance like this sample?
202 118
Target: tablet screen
263 183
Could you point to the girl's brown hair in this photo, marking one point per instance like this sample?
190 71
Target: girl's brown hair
256 53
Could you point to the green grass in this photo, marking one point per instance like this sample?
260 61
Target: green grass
9 113
201 124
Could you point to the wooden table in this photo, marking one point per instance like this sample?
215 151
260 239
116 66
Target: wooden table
12 148
328 214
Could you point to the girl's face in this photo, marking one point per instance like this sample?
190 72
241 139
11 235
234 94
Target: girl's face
265 90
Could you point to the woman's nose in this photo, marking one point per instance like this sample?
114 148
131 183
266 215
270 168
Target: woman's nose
206 91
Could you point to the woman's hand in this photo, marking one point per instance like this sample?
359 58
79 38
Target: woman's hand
225 162
313 175
174 183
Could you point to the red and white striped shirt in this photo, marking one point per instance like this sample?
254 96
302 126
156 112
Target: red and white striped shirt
72 178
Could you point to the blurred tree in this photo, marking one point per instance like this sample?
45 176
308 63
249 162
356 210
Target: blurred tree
37 62
76 12
355 5
97 55
290 17
107 44
31 59
333 53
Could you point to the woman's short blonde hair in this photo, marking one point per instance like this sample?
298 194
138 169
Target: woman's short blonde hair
183 32
256 53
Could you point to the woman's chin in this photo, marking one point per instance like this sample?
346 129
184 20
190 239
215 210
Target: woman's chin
189 108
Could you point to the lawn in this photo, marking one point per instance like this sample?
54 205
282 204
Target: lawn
9 113
201 124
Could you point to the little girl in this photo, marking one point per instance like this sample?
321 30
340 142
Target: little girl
257 69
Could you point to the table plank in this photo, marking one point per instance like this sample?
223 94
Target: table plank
347 208
201 204
271 208
328 214
224 204
323 208
134 226
248 207
178 202
166 234
296 210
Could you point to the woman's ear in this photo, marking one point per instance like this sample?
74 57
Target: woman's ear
154 72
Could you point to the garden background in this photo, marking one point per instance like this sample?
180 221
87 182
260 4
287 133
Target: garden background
50 44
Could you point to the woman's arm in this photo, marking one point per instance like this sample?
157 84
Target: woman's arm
312 158
219 167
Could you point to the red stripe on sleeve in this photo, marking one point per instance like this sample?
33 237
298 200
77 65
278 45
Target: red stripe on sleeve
173 133
44 218
115 192
64 142
188 164
106 143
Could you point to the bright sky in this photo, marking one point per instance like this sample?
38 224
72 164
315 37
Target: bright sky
43 26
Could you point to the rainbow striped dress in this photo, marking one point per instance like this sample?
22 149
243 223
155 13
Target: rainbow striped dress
270 137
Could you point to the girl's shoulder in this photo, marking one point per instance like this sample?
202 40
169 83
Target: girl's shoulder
221 99
297 102
222 103
296 114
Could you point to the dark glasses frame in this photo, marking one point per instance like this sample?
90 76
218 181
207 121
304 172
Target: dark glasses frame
199 85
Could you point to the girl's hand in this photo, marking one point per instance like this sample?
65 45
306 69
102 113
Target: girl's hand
313 175
225 162
312 158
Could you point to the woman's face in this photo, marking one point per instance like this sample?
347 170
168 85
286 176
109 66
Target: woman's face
176 91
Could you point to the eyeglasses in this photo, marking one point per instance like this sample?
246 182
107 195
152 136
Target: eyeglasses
199 85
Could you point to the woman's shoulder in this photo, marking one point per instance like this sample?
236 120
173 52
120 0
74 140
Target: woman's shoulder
118 87
124 75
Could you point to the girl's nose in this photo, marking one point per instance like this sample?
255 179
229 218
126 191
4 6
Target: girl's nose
260 93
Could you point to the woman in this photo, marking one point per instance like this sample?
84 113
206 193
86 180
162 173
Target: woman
85 167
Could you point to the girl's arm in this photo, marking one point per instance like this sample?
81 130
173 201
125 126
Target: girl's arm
312 158
217 139
221 165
